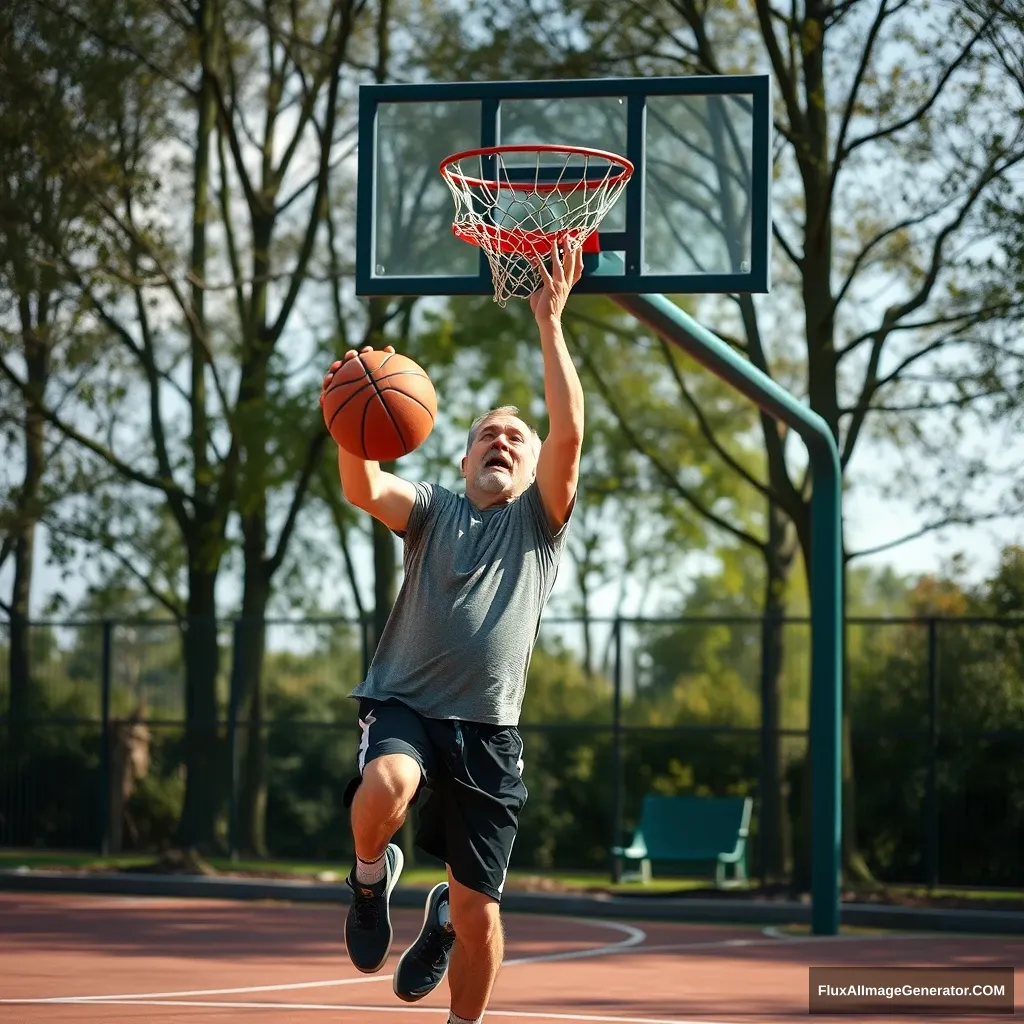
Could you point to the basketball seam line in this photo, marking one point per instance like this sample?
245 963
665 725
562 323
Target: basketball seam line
384 406
366 382
386 376
358 391
412 398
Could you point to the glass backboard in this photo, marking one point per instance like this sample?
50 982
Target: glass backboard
694 218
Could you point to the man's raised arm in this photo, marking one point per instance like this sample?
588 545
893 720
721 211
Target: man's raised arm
559 462
385 496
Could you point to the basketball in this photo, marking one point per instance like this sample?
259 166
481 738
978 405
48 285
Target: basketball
380 406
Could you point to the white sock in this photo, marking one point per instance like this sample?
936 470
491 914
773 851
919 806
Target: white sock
370 871
454 1018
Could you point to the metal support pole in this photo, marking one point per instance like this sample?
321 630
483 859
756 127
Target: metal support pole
676 326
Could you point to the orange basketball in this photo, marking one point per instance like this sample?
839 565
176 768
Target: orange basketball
380 406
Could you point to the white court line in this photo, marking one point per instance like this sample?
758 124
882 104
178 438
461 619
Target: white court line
634 937
792 940
362 1008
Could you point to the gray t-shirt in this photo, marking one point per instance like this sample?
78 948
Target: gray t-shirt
460 637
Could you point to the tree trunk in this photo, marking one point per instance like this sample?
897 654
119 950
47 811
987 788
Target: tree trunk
20 698
196 828
204 779
819 306
247 679
19 660
774 832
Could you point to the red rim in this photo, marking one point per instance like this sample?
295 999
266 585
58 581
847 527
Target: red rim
524 243
465 179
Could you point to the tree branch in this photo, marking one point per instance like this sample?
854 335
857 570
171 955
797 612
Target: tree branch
167 486
783 74
924 106
705 427
994 169
663 471
187 308
952 520
66 12
229 232
783 491
797 261
145 578
326 135
949 403
858 79
873 243
335 502
967 318
314 457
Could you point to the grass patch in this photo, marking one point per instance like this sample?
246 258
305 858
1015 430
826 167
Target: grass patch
334 871
555 881
920 892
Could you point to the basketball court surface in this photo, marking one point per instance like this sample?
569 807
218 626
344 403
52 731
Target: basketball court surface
114 959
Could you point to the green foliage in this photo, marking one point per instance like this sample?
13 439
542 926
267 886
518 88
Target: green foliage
690 714
559 689
153 809
978 678
311 752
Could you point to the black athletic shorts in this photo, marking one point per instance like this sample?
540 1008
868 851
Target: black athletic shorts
474 775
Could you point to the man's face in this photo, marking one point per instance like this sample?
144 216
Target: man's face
501 459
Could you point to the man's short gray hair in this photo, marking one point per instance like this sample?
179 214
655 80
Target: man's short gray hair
503 410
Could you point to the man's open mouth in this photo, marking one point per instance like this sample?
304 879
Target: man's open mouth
497 462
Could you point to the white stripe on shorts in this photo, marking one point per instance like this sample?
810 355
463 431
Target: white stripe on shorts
364 740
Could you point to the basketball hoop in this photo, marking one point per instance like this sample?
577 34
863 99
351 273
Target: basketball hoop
524 198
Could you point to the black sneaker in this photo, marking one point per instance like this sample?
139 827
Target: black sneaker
368 932
424 963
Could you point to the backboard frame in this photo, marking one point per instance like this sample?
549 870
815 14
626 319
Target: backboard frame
636 92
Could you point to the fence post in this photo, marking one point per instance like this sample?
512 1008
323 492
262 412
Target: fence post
932 841
617 768
106 671
234 697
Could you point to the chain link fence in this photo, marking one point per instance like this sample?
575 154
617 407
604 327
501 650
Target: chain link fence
98 736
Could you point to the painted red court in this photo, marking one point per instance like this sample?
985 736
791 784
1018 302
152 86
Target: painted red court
107 959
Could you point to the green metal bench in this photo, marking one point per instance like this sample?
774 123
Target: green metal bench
687 829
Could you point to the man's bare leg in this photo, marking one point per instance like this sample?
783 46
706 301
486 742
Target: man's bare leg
381 803
478 951
379 807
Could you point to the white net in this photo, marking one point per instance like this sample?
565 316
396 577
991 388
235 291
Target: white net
513 202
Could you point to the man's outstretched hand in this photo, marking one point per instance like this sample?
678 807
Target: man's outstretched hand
548 301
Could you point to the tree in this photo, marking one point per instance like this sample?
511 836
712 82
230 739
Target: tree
198 327
937 704
898 317
274 227
57 150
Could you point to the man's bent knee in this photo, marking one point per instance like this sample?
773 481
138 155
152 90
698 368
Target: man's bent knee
476 918
388 785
